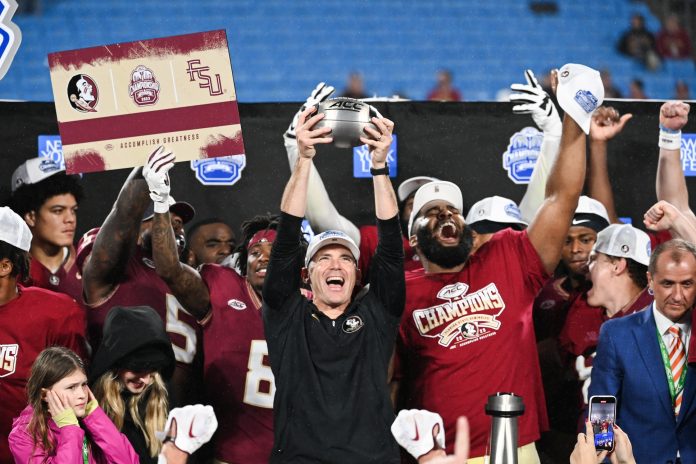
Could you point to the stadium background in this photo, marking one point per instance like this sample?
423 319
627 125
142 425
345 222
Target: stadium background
281 49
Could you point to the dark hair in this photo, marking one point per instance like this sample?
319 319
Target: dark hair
19 259
203 222
248 229
636 271
30 197
677 248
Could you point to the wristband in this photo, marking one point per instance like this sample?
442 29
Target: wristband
380 171
669 139
65 417
91 406
161 207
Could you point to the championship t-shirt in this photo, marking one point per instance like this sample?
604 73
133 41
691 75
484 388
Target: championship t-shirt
30 323
239 382
469 334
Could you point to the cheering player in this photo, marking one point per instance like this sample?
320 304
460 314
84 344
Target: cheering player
117 270
227 305
493 289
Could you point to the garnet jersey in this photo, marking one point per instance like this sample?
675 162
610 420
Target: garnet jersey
239 382
368 245
469 334
551 306
35 320
141 286
65 280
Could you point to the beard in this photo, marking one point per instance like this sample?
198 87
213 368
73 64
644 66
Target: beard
446 257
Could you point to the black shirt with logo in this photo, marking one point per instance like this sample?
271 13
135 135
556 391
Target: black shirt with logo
332 399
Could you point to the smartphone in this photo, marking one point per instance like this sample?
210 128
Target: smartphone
602 417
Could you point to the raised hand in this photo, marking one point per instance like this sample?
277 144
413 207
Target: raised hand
674 115
307 137
320 93
530 98
607 123
156 174
380 140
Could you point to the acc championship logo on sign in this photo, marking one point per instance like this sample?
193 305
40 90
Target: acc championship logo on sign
225 170
688 154
361 160
51 148
10 35
522 154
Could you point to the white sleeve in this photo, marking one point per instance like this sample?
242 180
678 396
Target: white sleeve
321 212
536 189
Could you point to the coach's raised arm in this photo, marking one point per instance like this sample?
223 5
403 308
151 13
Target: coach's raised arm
330 355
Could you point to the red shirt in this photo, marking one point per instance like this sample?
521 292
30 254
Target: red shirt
368 245
35 320
68 281
238 378
469 334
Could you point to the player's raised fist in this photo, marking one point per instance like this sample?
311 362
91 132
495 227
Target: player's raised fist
674 115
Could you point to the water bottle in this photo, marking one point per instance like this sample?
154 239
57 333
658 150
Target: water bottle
504 408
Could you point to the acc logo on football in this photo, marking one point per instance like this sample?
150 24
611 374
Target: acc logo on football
51 148
225 170
8 359
10 35
688 154
361 160
522 154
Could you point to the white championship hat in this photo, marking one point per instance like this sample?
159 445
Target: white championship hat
624 241
412 184
435 191
14 230
495 209
580 92
331 237
34 170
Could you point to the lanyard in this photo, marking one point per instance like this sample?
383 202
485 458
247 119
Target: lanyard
85 450
674 390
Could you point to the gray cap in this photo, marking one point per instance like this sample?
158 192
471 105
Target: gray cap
331 237
14 230
624 241
34 170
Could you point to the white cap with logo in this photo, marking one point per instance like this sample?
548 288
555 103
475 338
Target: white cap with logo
14 230
495 209
440 190
580 92
412 184
331 237
624 241
34 170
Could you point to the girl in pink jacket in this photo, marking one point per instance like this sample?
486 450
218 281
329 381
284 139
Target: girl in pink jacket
51 429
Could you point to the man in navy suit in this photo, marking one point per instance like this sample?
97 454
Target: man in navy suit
641 359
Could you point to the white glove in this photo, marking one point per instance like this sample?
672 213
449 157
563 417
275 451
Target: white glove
414 429
320 93
530 98
192 426
156 175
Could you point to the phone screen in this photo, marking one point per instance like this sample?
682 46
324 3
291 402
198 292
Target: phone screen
602 417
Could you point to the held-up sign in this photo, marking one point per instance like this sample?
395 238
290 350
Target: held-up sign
117 103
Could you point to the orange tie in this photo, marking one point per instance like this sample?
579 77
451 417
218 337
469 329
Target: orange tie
677 359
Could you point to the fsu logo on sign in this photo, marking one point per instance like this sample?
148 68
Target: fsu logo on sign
8 359
83 93
198 72
144 88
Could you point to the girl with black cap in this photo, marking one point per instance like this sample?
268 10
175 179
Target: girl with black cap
128 376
